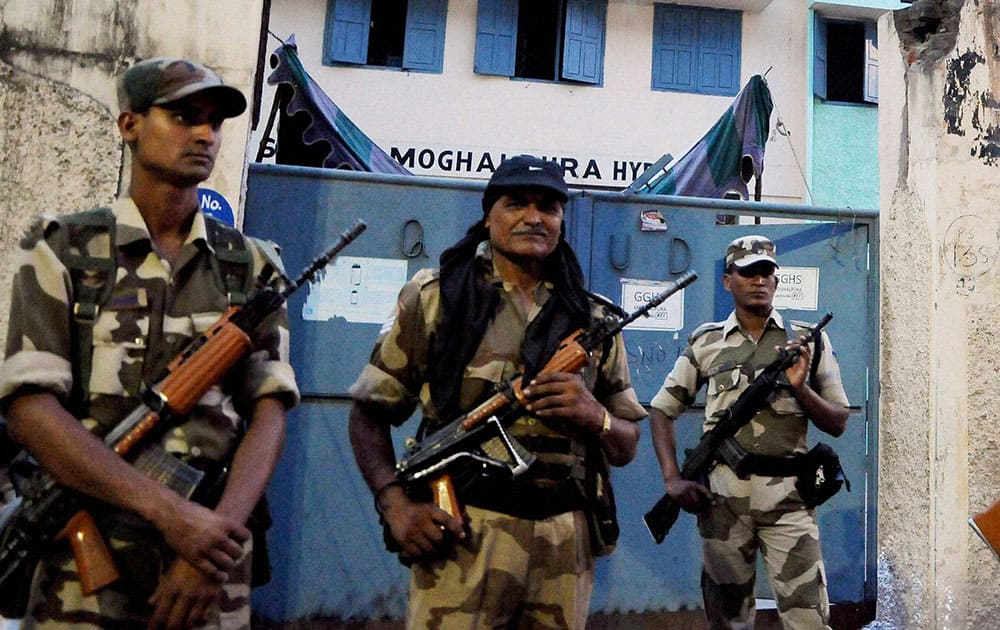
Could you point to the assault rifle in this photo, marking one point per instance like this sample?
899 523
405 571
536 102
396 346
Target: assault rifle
702 457
50 511
479 436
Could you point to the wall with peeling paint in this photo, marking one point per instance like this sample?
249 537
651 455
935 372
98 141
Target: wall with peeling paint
58 60
938 452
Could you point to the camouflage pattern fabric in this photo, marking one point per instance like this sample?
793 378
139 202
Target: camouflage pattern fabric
152 314
759 512
723 358
394 379
57 602
511 573
766 513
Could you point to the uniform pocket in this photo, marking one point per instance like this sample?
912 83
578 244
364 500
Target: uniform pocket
479 381
119 344
723 378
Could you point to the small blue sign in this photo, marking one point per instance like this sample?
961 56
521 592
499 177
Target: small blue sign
215 205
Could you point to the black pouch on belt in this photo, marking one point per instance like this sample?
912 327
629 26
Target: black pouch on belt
820 476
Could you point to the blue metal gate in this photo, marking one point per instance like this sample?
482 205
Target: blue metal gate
326 545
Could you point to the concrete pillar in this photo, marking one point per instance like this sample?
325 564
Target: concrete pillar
939 128
58 63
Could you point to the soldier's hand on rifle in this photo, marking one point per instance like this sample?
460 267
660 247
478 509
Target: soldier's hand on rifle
421 529
185 597
565 396
799 370
691 495
209 541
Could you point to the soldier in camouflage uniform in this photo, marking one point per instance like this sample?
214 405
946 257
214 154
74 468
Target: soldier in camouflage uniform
739 515
504 297
182 564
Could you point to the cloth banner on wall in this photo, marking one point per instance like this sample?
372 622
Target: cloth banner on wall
721 164
312 130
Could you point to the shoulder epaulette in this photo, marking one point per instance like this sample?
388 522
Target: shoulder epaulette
426 276
704 328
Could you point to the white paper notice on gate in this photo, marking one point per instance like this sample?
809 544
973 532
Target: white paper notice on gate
666 316
798 288
361 290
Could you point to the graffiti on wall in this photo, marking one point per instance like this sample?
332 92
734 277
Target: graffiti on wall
970 110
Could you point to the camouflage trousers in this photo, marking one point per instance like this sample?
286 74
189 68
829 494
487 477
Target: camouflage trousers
57 601
510 573
765 513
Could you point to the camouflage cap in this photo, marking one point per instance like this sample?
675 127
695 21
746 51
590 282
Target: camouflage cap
748 250
163 80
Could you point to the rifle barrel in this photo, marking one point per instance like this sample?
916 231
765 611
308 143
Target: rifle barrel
661 297
321 261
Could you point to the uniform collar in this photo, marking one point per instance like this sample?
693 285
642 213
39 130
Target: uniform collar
131 228
774 320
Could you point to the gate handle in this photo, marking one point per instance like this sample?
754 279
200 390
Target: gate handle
417 247
675 244
620 266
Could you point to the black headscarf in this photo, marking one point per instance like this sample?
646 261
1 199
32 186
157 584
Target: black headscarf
469 302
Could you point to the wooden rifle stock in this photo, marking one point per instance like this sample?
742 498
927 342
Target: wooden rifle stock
571 355
93 558
189 377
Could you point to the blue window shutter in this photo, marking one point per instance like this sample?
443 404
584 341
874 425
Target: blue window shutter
819 57
496 37
871 63
583 42
719 35
423 48
675 60
347 25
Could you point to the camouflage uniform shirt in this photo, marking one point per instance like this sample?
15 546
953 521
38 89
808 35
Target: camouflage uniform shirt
723 357
152 314
395 378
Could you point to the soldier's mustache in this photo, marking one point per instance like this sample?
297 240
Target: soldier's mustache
532 232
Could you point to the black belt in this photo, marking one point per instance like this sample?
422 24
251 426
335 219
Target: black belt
745 464
547 488
523 499
771 466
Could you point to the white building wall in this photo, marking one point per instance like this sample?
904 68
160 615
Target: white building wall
623 120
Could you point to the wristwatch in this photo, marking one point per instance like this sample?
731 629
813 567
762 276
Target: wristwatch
606 424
